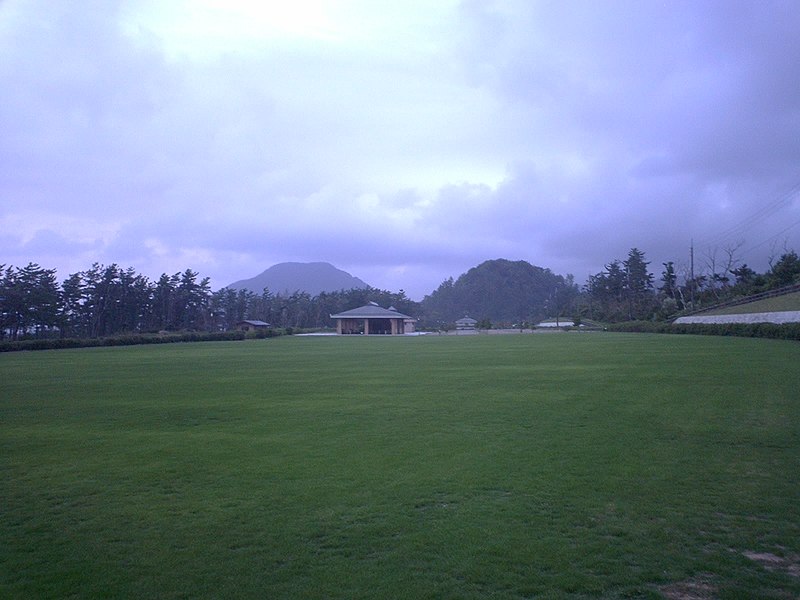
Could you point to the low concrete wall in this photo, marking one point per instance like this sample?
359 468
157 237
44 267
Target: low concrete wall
765 317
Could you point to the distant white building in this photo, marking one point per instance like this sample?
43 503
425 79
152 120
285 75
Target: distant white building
466 323
560 323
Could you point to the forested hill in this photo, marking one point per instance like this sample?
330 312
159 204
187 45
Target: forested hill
501 291
312 278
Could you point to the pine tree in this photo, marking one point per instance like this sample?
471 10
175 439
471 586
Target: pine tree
638 285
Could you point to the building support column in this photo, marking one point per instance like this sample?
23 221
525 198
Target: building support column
366 326
339 326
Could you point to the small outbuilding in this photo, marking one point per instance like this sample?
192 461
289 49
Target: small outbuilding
373 319
251 325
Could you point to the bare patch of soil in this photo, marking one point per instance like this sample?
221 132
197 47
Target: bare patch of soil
697 588
789 564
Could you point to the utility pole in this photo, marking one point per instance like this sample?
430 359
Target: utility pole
691 272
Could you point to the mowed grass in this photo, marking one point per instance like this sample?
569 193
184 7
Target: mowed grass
787 302
521 466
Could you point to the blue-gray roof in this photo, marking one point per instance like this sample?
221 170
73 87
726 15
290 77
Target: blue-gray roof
370 311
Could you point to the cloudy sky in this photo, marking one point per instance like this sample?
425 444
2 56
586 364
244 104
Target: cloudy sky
404 142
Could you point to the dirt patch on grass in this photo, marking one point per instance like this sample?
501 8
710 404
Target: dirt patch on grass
697 588
789 564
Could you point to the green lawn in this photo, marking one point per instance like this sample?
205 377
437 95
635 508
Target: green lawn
591 465
787 302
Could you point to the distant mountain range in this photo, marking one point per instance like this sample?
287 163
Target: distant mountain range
289 277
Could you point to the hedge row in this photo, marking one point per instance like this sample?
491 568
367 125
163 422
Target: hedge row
135 340
787 331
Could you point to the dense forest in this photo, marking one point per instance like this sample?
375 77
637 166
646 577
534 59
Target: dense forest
502 291
107 300
625 290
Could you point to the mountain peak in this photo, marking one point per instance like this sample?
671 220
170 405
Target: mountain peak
288 277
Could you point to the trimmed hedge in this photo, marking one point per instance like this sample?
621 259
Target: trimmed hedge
787 331
260 334
134 340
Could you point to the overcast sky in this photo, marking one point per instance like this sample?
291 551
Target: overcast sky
404 141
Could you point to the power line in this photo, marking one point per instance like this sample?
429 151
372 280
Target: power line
773 237
747 224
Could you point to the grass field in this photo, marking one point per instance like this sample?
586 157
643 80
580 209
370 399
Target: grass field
572 465
787 302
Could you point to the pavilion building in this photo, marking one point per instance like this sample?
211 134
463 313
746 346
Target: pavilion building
373 319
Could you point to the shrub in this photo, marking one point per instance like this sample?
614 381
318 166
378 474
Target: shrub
132 339
787 331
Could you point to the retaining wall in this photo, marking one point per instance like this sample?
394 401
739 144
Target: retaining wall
792 316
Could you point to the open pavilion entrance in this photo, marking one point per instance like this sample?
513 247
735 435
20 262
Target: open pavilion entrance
372 319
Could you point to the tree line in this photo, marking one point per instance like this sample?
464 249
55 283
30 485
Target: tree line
627 291
107 300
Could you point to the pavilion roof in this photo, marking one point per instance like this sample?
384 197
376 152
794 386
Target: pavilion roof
370 311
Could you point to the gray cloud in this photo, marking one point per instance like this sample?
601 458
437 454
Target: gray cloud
407 150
